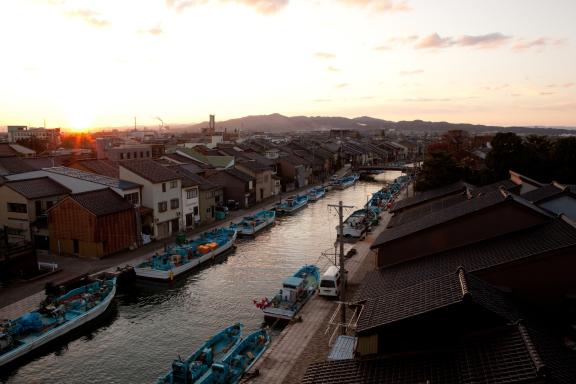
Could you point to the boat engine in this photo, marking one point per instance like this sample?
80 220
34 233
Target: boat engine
6 341
181 372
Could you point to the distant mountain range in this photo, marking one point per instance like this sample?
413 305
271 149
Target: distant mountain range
276 123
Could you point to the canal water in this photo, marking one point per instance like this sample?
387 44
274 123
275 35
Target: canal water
153 323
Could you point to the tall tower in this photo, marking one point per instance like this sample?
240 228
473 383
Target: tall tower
212 124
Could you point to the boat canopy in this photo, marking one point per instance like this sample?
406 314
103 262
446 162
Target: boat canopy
293 282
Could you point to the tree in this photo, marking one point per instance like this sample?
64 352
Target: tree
507 154
439 169
563 160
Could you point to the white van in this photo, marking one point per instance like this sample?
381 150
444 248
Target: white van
330 282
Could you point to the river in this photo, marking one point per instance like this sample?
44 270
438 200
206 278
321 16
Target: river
150 324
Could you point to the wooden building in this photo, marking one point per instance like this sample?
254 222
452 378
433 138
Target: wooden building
92 224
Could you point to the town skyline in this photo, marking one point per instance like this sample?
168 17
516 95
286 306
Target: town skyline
96 64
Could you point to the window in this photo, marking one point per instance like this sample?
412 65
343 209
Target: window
191 193
128 155
133 198
250 184
173 184
196 211
163 187
141 154
147 153
121 156
162 206
17 208
135 155
174 203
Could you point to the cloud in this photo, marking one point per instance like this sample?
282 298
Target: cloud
322 100
342 85
538 43
90 17
324 55
262 6
380 5
332 69
546 93
412 72
568 85
155 31
393 42
490 40
426 100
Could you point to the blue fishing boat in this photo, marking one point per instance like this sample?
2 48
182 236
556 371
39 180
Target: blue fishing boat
250 225
316 193
239 360
291 204
345 181
296 291
59 313
181 258
197 365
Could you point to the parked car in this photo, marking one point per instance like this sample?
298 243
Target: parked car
233 205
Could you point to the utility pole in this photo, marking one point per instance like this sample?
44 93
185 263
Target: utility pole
343 276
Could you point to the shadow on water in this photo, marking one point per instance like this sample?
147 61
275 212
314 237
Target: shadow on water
152 292
59 346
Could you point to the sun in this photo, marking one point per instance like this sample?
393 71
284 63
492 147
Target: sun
79 119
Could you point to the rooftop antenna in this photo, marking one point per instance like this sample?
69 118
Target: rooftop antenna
134 123
161 123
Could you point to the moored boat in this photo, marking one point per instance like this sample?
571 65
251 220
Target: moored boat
179 259
198 364
296 291
291 204
345 181
239 360
316 193
250 225
63 310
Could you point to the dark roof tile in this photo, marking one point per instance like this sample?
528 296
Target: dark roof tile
37 188
432 294
150 170
500 356
550 236
429 195
102 202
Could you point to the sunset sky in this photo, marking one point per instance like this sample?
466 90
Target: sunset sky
95 63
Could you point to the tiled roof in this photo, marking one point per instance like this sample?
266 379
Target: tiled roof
101 167
432 294
102 202
455 211
43 162
254 166
191 178
435 205
514 354
150 170
110 182
238 174
12 165
37 188
550 236
7 151
545 192
429 195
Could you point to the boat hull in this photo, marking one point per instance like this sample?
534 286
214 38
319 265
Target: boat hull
157 274
251 231
60 330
